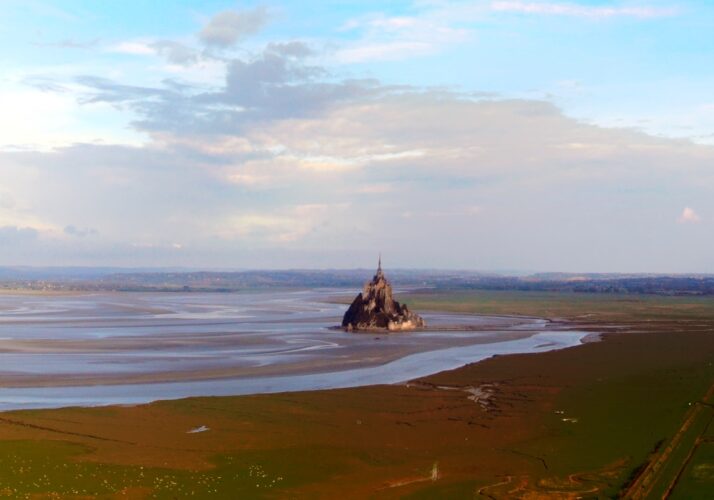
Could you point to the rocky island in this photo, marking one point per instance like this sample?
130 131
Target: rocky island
375 309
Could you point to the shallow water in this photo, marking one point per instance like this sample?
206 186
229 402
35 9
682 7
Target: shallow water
119 348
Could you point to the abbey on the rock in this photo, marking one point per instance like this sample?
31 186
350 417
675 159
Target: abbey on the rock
375 309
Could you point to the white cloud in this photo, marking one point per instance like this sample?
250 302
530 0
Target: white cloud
181 59
376 189
689 216
133 48
386 38
32 118
41 115
438 25
384 51
277 226
250 180
569 9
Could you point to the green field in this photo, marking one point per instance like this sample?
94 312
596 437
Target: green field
698 479
638 397
574 306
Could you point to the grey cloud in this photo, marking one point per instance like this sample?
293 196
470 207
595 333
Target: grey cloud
277 84
175 52
73 230
6 201
294 48
260 92
104 90
228 27
46 84
10 235
272 67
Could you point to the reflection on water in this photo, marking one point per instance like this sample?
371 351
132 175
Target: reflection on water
104 344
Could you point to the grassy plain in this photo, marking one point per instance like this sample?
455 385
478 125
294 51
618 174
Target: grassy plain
591 421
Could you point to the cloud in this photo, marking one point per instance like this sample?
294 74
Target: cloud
384 38
435 26
107 91
133 48
7 202
293 48
175 52
279 226
569 9
377 189
275 84
72 230
689 216
282 155
495 175
384 51
71 43
228 27
249 180
46 113
12 235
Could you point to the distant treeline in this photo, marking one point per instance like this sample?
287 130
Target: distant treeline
662 285
215 281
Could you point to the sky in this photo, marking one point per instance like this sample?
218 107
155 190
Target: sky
486 135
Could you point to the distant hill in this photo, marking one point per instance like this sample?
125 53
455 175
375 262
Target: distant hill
121 279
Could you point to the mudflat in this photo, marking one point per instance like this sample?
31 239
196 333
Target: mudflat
114 348
626 415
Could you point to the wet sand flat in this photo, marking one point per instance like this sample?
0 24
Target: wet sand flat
104 348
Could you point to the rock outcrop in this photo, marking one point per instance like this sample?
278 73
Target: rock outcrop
375 309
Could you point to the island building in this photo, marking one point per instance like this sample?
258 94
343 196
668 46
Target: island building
375 308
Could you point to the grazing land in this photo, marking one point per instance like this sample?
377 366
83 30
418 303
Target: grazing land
626 416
